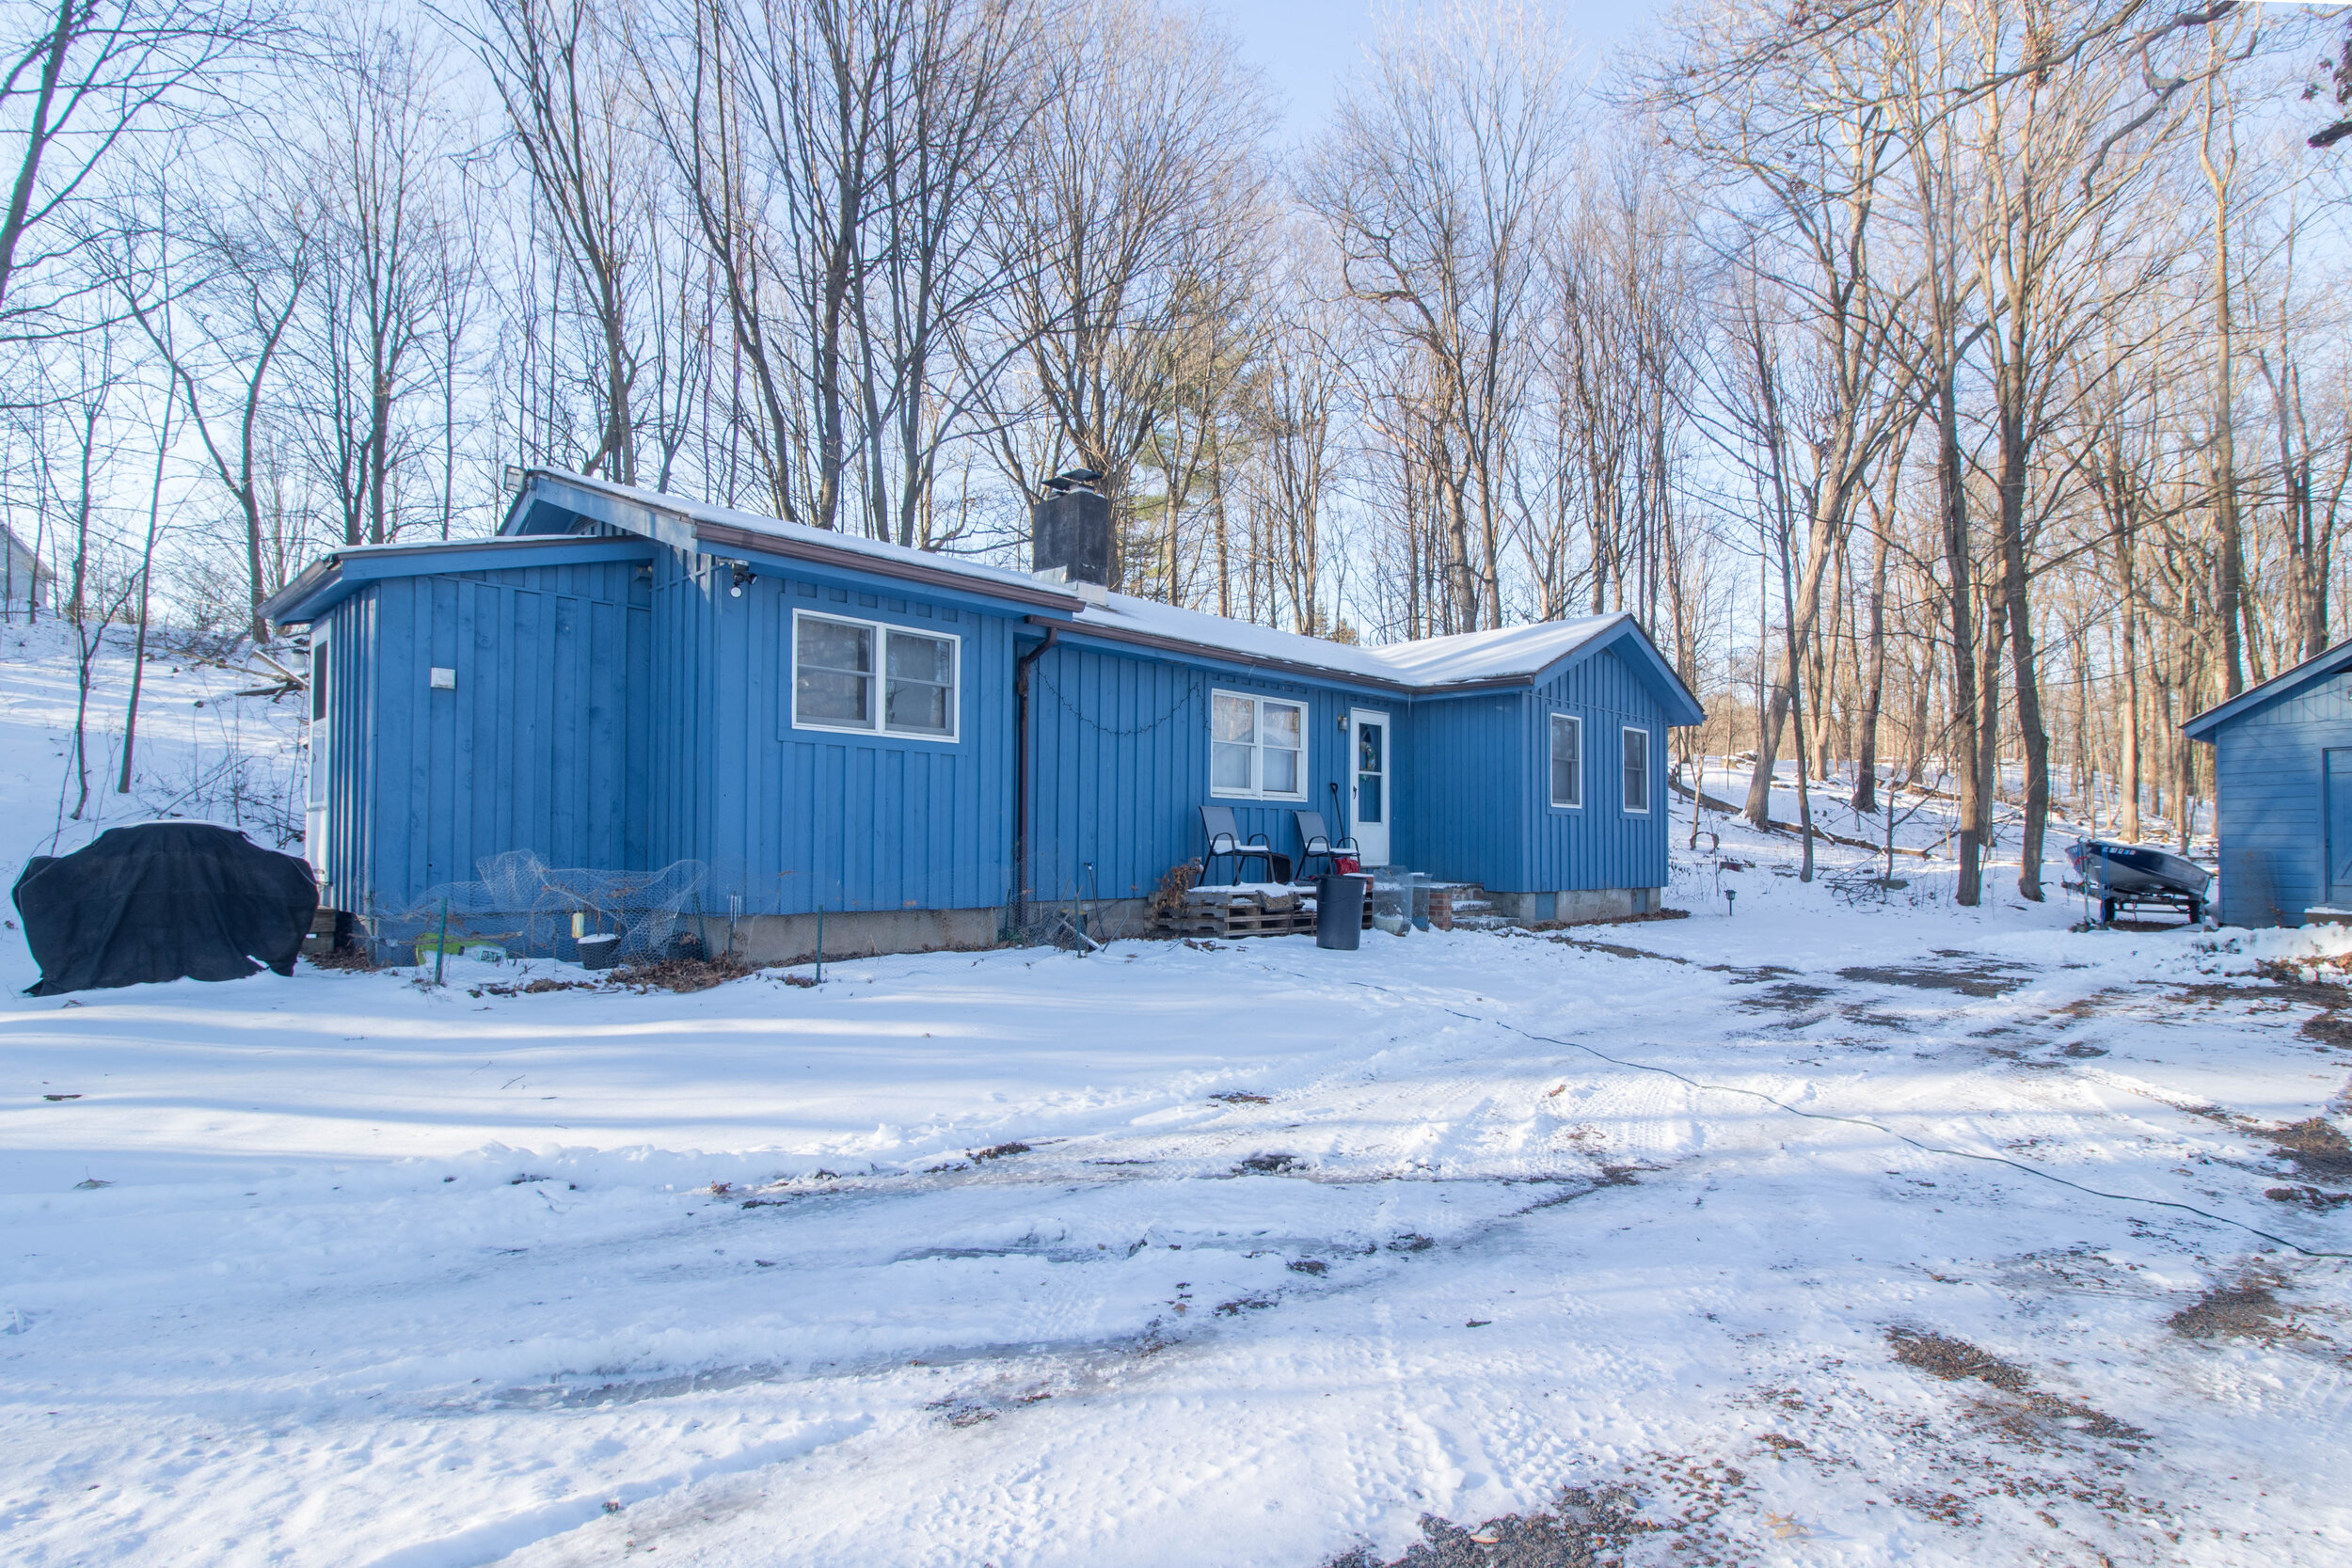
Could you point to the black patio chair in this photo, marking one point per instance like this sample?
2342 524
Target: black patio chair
1225 839
1316 843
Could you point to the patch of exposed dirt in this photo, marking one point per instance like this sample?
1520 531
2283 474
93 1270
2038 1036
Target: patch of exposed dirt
1585 1529
2246 1310
2033 1418
1269 1164
2309 1197
1940 1355
540 986
1789 996
682 974
1977 977
1617 949
2316 1147
1751 975
2328 1029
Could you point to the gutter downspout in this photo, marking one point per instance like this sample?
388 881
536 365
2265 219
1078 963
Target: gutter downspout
1021 775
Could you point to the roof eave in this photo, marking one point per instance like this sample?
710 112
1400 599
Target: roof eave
337 574
1679 697
680 529
1211 653
2279 687
311 594
725 537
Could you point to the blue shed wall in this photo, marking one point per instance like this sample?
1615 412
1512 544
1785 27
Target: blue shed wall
796 819
1119 750
541 746
1462 799
1120 767
2267 766
1601 844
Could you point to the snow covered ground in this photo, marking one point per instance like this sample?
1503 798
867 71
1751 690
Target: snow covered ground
1185 1254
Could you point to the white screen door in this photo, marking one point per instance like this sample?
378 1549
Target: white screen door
1372 797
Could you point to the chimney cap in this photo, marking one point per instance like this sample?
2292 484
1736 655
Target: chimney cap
1062 482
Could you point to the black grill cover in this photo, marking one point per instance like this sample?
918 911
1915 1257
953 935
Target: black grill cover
161 902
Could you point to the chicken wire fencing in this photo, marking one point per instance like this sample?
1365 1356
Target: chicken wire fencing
521 905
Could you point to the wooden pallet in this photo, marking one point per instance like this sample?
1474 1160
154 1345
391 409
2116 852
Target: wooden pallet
1212 918
1238 920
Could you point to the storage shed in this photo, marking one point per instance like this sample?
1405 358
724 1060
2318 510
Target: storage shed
917 745
2283 792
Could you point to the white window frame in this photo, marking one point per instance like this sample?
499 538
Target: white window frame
1649 766
1257 747
1557 803
882 631
318 805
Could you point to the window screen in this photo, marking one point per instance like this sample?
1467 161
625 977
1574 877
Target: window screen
920 689
1637 771
832 682
863 675
1257 745
1567 760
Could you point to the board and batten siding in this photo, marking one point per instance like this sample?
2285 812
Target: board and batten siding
1119 767
798 819
1478 798
1601 844
1462 793
2268 767
536 749
352 670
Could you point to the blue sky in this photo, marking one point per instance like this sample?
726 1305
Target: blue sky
1306 46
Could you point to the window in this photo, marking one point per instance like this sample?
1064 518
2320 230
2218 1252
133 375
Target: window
862 676
1257 747
1567 760
322 727
1637 771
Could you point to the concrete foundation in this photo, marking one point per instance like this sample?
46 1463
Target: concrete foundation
1579 906
791 939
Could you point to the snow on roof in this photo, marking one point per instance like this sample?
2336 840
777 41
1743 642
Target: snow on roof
883 553
1465 658
1514 651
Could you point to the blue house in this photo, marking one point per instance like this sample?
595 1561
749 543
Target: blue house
915 743
2283 792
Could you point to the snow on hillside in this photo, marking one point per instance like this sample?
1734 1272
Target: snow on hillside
1747 1238
202 751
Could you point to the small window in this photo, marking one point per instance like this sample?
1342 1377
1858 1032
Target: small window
1637 771
1257 747
918 693
1567 760
321 730
859 675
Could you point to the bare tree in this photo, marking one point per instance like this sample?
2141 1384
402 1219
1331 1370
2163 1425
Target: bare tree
1439 180
1133 214
380 175
80 78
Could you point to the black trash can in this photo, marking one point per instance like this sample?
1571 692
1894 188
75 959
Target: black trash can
1339 912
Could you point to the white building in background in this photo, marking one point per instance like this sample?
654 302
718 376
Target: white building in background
24 582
